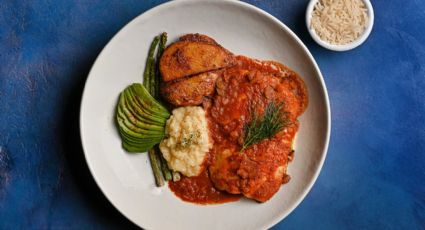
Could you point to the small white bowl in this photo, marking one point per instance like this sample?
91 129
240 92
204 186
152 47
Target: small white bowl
344 47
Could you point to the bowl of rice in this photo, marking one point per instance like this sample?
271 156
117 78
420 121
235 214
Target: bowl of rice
339 25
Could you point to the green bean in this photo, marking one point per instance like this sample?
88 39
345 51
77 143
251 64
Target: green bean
153 81
149 61
164 166
156 167
161 48
147 101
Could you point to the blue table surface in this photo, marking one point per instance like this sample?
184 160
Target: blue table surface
374 174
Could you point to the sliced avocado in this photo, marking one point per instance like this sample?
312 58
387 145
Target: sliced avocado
139 134
147 101
130 111
128 126
134 105
135 149
143 93
136 129
141 105
137 111
140 143
141 119
138 124
139 139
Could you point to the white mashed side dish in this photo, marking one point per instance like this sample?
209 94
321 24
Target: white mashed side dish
187 141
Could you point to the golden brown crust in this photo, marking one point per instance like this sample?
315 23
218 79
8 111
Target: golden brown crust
190 91
186 58
198 38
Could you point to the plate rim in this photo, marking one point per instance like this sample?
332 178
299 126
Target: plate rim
282 26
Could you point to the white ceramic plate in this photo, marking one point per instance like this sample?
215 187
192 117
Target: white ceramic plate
126 179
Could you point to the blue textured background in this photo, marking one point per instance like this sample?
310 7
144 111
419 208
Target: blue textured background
374 174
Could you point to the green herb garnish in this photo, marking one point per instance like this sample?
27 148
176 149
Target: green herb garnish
190 139
266 126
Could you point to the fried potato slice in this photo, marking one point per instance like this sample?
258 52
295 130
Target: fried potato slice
190 91
186 58
198 38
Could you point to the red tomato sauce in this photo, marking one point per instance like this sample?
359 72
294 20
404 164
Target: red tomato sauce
260 171
200 190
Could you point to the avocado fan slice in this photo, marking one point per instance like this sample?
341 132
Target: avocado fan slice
138 124
134 106
139 134
141 119
136 149
136 109
141 106
147 101
129 108
137 140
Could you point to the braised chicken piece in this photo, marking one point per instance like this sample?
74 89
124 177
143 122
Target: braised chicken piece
259 171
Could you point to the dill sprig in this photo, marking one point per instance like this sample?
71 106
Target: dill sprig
266 126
